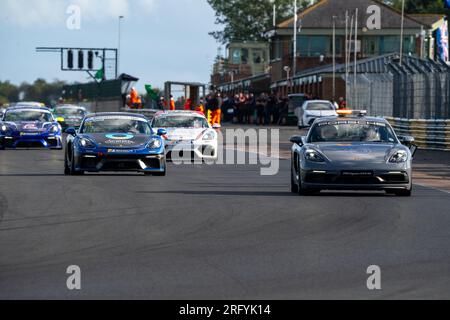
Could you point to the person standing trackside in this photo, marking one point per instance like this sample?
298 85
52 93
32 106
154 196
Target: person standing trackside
200 107
342 103
172 104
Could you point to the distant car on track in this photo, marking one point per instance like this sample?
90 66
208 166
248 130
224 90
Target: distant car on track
352 152
312 110
27 104
115 142
187 132
29 127
69 115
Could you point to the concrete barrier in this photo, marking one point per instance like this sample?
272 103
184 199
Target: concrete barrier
429 134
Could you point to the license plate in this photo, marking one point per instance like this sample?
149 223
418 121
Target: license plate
357 173
29 133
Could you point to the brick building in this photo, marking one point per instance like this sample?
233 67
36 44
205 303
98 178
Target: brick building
315 45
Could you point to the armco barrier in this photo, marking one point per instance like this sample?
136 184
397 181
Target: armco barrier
428 134
149 113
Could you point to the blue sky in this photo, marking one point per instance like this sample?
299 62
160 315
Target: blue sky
161 39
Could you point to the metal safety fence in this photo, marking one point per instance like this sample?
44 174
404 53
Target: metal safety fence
428 134
414 89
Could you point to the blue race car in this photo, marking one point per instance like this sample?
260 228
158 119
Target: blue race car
115 142
29 127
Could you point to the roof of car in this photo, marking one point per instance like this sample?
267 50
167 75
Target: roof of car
318 101
179 113
102 114
363 118
69 106
23 107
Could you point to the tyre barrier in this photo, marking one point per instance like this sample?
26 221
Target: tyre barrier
428 134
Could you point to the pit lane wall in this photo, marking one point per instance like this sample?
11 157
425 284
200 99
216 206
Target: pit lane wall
428 134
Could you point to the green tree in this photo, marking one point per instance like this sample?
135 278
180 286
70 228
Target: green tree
420 6
39 91
244 20
8 92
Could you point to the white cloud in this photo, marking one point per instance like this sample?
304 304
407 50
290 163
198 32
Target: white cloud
35 13
147 5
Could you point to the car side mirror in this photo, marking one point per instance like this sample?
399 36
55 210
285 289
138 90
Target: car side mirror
162 132
406 140
297 140
71 131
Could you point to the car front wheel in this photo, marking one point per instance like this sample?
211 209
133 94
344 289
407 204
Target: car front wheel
71 165
294 186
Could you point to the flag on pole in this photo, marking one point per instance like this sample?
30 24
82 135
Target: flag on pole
151 93
100 74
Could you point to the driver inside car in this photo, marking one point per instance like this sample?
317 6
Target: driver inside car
328 133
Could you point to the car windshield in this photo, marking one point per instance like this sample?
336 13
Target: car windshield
70 112
352 131
28 115
180 122
111 124
319 106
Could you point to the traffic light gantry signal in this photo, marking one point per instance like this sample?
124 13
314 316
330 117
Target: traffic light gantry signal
70 59
90 60
80 59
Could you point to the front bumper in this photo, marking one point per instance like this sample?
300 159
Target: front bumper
356 179
46 141
206 150
104 161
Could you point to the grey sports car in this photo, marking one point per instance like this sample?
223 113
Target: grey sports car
352 152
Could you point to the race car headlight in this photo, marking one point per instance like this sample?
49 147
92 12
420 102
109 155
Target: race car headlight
86 143
399 157
54 129
155 144
4 128
313 156
209 136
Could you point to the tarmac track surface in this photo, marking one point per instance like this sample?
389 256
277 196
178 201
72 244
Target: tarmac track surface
211 232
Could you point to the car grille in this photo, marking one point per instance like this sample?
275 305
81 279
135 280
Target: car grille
364 179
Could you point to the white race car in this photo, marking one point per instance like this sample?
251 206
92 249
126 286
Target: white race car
312 110
189 135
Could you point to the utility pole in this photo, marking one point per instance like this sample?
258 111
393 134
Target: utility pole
274 14
334 57
119 43
401 32
346 48
294 69
356 59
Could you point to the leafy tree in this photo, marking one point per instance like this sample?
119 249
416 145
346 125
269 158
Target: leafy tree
420 6
39 91
245 20
8 92
248 19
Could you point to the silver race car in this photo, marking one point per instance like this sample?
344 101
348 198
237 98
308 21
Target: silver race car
352 152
